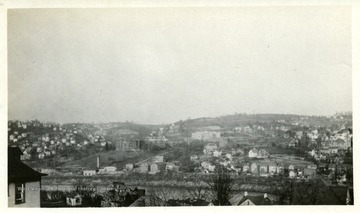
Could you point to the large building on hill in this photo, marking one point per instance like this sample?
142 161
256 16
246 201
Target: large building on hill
157 140
127 145
206 135
209 133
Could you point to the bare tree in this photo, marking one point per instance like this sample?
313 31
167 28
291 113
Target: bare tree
301 193
285 193
198 191
159 197
222 185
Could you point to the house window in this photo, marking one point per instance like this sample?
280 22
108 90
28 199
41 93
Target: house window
19 193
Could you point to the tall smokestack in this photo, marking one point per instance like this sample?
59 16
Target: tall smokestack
97 162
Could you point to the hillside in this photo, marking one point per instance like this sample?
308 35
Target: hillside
230 121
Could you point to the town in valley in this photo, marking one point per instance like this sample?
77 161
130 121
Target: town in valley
150 105
240 159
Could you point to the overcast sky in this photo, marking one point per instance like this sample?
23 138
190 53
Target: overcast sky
161 65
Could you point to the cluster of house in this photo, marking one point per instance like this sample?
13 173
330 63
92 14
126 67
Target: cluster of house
155 166
51 143
329 139
223 157
266 168
262 168
258 163
249 129
268 128
333 155
330 146
255 153
151 167
214 133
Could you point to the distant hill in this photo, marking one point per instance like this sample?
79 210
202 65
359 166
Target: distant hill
231 121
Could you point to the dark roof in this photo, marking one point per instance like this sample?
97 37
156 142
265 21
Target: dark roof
341 193
187 202
257 200
148 201
17 170
200 202
216 203
14 153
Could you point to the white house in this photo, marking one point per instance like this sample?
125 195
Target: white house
129 166
89 172
159 159
108 169
253 153
41 156
144 168
238 129
23 190
217 153
292 174
312 166
211 168
229 156
170 166
208 166
193 157
154 168
254 168
272 168
246 168
204 164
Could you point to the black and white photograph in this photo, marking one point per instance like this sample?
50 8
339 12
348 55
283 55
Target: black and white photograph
179 106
